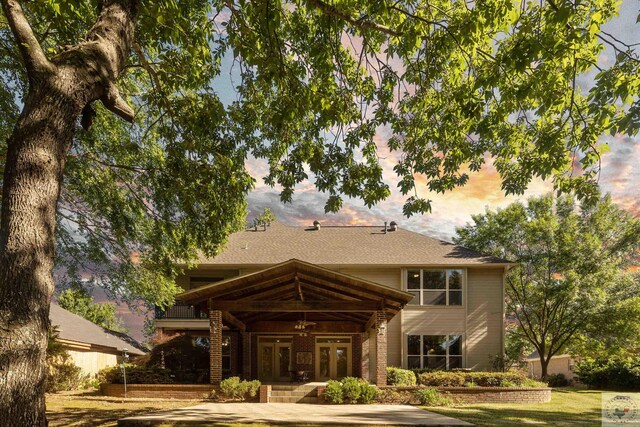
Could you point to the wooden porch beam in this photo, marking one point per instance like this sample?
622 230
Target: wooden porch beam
233 321
296 306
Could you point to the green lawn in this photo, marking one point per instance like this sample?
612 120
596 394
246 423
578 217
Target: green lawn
568 407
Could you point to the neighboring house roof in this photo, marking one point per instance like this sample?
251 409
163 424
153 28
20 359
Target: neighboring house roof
344 245
78 329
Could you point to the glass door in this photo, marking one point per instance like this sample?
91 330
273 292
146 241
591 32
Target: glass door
274 359
333 358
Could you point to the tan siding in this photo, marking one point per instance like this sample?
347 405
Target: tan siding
388 277
385 276
183 280
394 342
92 361
484 317
433 321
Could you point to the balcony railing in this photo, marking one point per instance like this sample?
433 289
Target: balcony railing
181 310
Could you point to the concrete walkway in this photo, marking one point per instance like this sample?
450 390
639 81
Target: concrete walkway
296 414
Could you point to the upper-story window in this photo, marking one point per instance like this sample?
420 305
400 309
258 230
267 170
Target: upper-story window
435 287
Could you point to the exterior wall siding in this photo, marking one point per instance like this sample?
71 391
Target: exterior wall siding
485 323
92 361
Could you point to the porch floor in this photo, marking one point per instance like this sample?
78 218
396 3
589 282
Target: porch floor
295 414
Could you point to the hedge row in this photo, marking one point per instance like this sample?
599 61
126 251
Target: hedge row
404 377
621 374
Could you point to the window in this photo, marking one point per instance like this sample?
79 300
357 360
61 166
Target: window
435 287
226 354
434 351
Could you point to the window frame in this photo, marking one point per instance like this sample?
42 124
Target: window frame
447 356
447 289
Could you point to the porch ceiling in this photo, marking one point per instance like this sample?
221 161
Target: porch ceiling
284 291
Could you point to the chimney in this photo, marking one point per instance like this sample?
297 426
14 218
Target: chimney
393 226
316 225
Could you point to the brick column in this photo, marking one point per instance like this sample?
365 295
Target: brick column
246 355
215 346
381 348
364 355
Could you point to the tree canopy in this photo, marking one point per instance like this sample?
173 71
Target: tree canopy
456 83
77 300
573 290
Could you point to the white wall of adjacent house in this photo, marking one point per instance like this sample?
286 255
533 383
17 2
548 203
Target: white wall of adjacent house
92 361
560 364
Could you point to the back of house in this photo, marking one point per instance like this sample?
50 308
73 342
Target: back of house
326 302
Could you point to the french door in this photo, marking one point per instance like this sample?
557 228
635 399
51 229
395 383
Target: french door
274 359
333 358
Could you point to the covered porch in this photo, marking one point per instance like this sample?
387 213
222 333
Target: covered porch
298 321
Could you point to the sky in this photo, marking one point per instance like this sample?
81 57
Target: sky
620 176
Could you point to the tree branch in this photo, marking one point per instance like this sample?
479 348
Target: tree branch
359 23
32 54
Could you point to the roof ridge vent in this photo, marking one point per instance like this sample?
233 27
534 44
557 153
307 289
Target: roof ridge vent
316 225
393 226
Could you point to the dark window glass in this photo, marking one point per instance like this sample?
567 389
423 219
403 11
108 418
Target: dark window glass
434 280
226 345
413 344
455 279
455 362
416 298
413 362
455 297
413 279
455 345
434 345
435 362
434 298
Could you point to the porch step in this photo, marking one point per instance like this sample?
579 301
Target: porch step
301 393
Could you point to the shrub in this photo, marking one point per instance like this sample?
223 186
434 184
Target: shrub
442 379
623 374
367 393
351 389
252 387
333 392
400 377
431 397
476 379
557 380
233 388
135 375
64 375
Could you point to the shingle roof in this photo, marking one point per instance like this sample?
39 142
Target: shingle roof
75 328
344 245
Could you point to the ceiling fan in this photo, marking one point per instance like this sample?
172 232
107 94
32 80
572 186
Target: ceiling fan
301 325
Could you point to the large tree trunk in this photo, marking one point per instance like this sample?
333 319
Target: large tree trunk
33 173
33 176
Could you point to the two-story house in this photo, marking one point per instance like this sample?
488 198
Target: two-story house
325 302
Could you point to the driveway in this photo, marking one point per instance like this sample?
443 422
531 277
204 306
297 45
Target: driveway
296 414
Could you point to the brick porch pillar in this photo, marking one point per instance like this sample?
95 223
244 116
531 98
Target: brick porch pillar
365 355
246 355
381 348
215 346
